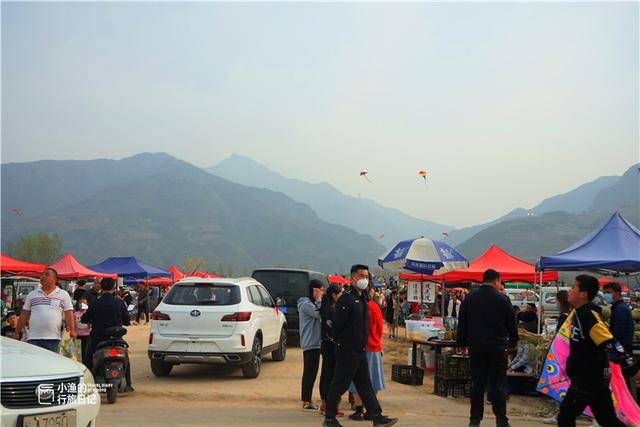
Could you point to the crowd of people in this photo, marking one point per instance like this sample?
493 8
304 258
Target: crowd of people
344 327
85 314
341 330
488 328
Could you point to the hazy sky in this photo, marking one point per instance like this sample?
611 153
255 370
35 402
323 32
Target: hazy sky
503 104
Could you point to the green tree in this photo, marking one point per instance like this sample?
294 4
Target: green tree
36 247
194 264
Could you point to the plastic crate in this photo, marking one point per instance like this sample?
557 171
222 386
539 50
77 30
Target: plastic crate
453 366
404 374
446 387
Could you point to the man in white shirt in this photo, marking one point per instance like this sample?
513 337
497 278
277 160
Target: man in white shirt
43 310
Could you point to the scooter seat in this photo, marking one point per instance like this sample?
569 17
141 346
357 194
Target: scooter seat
112 343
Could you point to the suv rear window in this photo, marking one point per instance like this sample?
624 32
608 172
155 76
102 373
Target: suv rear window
203 294
284 283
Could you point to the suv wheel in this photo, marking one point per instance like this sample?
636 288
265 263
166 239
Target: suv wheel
252 369
161 369
279 354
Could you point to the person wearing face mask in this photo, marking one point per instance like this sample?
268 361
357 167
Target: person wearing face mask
310 340
351 334
621 324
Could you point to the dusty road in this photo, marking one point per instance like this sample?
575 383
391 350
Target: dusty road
219 396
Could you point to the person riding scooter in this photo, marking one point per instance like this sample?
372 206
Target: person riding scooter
104 313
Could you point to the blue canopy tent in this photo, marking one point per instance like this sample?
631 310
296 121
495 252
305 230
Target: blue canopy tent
614 247
129 268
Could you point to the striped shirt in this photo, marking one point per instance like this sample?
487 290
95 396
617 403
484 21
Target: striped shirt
47 312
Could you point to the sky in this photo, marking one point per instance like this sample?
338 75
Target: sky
503 104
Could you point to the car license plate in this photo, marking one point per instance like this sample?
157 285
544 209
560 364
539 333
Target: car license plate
51 419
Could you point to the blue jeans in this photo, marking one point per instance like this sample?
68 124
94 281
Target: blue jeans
53 345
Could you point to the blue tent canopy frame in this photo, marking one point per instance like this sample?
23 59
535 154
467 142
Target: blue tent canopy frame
614 247
129 268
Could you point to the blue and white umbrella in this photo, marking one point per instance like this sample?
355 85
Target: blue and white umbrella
424 256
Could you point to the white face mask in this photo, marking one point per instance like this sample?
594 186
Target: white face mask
84 306
362 284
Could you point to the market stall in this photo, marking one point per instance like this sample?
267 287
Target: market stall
69 268
611 249
13 267
129 268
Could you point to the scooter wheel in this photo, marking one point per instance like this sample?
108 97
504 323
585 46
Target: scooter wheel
112 393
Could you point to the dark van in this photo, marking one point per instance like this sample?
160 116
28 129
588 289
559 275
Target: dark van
287 286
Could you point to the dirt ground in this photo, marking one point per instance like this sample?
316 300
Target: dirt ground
219 395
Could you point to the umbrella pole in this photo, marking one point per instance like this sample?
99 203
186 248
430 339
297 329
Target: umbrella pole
540 303
442 293
421 295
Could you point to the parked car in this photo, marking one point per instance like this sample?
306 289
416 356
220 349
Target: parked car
287 286
15 290
41 388
522 297
232 321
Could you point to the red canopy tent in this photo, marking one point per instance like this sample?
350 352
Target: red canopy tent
338 280
203 275
604 280
159 281
177 274
69 268
16 267
511 269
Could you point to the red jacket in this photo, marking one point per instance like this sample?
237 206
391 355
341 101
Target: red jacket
374 343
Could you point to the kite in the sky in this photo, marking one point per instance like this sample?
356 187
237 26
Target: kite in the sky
364 174
445 234
381 236
423 174
16 211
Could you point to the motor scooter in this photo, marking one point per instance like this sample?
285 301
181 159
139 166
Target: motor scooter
110 362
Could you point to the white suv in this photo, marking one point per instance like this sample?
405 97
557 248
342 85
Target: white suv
233 321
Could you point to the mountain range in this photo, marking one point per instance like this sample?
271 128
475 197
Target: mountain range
389 225
241 213
529 237
162 210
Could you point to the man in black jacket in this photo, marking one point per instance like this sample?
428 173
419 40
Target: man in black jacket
106 312
488 327
350 333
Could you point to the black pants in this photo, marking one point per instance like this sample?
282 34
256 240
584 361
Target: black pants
310 372
351 366
489 366
328 351
599 401
143 308
85 341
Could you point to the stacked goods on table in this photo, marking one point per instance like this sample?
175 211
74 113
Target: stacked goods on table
453 375
538 347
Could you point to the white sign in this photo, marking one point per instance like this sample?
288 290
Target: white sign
428 292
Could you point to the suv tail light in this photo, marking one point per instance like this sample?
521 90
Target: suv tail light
158 315
241 316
